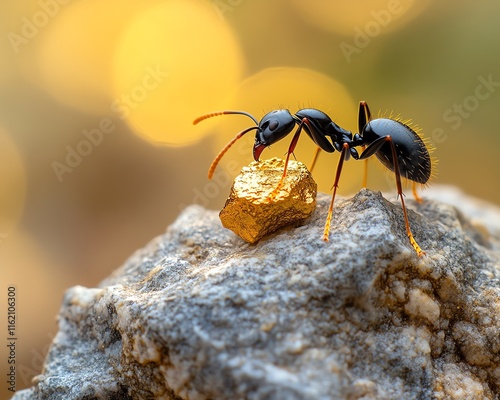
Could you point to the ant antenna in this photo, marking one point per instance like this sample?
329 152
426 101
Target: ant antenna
216 160
217 113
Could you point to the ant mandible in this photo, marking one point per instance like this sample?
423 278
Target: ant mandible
394 143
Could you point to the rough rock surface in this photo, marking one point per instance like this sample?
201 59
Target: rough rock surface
201 314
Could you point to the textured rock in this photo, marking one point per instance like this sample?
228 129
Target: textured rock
200 314
251 213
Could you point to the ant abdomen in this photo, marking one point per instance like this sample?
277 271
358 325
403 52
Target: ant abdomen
413 156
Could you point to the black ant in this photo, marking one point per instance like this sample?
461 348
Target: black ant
393 142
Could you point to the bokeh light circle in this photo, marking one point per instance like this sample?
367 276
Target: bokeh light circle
75 52
371 16
12 184
177 60
291 88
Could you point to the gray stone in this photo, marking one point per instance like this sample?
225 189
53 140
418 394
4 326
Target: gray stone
201 314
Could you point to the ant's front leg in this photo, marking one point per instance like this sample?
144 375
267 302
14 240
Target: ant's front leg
291 148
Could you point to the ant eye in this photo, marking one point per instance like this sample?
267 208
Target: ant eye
273 125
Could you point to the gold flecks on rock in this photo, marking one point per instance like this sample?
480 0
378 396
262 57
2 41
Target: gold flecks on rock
248 211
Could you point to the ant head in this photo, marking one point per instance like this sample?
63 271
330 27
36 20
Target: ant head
274 126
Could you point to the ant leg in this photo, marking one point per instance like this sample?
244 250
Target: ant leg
415 193
216 160
291 148
318 136
315 158
365 174
328 221
364 116
413 242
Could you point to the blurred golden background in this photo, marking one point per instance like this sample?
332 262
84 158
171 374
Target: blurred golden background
98 151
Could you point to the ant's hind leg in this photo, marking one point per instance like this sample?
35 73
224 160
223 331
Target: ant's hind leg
415 193
315 158
326 231
365 171
413 242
